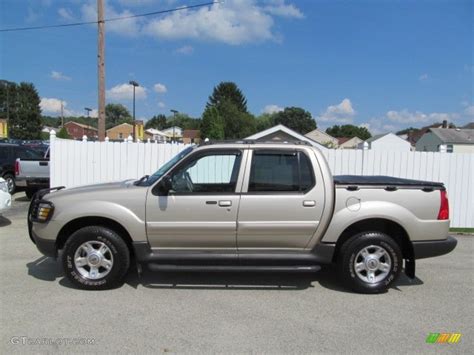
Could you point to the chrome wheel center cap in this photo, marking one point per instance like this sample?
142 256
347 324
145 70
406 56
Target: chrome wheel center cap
372 263
94 259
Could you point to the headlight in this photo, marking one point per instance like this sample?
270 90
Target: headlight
41 211
3 186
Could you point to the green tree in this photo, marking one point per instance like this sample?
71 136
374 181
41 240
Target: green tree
212 125
296 118
24 111
184 121
265 121
157 122
237 124
116 114
349 131
228 91
63 134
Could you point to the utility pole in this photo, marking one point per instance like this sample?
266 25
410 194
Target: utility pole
174 121
134 84
101 68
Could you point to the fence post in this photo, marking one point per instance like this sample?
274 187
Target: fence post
84 138
130 139
106 139
52 135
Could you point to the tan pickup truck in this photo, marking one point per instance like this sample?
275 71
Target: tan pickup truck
243 206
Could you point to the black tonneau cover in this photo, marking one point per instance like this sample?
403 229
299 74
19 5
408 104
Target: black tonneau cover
380 180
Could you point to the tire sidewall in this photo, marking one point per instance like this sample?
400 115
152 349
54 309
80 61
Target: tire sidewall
355 246
116 246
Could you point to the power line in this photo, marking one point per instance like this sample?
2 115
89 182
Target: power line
187 7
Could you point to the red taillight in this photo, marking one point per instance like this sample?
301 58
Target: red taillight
17 167
444 207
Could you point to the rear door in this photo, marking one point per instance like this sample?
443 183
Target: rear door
282 200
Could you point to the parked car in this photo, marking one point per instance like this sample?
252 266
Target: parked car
5 197
32 173
8 155
244 206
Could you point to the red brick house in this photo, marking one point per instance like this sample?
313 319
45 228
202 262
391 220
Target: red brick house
191 136
77 130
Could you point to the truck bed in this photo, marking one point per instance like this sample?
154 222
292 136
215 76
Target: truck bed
384 181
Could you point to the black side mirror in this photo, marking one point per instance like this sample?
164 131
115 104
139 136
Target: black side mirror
165 185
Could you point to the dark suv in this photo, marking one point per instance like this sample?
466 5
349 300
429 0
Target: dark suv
8 154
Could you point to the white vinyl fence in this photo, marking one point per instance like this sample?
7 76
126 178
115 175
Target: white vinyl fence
75 163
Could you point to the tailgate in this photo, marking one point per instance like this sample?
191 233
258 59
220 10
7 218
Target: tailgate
34 168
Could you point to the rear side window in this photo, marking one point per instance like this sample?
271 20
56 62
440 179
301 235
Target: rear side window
280 171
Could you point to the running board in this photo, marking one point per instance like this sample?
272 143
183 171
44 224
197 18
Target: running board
233 268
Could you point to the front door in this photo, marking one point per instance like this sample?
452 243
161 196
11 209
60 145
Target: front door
200 211
282 200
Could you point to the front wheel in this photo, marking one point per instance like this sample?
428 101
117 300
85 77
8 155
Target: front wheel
96 258
370 262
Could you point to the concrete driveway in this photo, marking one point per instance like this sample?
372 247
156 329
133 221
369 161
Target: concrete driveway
227 312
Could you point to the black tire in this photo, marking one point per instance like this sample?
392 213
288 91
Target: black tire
10 179
372 240
30 192
118 252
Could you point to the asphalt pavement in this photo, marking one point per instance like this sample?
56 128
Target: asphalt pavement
227 312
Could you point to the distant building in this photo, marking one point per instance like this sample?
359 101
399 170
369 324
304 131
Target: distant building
323 138
3 128
281 133
156 135
191 136
123 130
77 130
349 143
175 132
387 141
450 140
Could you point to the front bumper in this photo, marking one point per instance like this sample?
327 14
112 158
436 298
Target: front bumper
5 201
431 248
46 247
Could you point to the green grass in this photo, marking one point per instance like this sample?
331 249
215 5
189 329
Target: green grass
462 230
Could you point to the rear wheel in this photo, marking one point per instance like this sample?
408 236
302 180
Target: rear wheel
96 258
370 262
10 179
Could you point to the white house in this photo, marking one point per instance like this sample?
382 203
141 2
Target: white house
157 135
451 140
387 141
281 133
174 132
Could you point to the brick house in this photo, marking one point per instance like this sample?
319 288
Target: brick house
191 136
122 131
77 130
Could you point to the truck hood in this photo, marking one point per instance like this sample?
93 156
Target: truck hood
105 191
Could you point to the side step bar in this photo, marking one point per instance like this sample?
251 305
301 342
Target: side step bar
233 268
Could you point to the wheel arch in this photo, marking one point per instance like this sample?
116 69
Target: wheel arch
387 226
81 222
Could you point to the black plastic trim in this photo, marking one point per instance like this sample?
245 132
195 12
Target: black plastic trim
431 248
46 247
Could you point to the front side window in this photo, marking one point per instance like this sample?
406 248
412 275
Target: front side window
214 172
280 171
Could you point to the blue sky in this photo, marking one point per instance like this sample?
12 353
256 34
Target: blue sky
383 64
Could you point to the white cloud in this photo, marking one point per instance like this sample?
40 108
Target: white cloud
160 88
136 2
56 75
280 8
126 27
423 77
377 126
235 22
125 92
340 113
469 110
52 106
161 104
185 50
272 109
406 116
65 14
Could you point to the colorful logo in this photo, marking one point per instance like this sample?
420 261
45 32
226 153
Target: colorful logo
446 338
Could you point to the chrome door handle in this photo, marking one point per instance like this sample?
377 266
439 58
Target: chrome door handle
225 203
309 203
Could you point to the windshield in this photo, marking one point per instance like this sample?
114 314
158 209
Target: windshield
165 167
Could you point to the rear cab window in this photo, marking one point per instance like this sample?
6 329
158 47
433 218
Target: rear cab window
278 170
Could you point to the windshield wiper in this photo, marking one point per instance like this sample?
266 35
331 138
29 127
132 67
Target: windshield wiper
142 179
